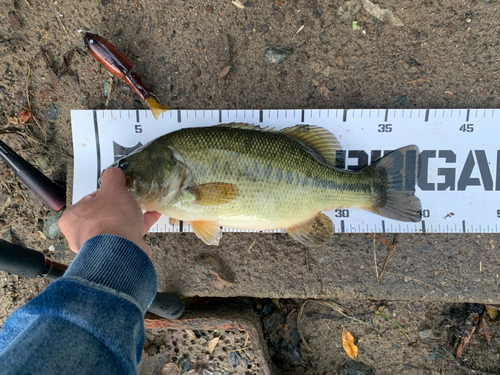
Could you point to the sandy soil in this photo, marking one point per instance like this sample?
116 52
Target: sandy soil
444 56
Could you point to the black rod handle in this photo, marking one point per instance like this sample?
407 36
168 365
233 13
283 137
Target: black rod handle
31 263
28 263
51 194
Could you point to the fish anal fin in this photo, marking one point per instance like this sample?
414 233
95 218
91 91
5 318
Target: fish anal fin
173 221
214 193
207 231
317 231
318 138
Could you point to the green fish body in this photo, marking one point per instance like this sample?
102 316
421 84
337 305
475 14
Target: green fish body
242 176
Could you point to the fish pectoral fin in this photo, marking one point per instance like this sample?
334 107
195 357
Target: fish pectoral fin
317 231
173 221
207 231
214 194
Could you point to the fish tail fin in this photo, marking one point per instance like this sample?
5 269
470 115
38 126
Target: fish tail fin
393 185
156 108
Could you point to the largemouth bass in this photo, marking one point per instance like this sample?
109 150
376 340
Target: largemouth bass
241 176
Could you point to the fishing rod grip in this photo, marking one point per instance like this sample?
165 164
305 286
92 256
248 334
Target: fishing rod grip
167 306
51 194
28 263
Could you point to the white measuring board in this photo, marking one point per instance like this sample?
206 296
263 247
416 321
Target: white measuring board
459 160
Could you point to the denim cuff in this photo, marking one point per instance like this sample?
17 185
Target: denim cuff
116 263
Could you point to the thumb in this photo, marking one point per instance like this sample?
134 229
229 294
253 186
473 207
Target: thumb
150 218
113 177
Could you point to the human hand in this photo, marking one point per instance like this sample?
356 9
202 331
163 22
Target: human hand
109 210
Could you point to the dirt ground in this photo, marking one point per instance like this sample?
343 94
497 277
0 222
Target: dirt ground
445 55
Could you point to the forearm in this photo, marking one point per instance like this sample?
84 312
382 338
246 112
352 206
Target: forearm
98 307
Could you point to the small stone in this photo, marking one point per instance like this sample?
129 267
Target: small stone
277 55
42 162
425 334
52 113
52 248
406 279
106 88
356 368
51 229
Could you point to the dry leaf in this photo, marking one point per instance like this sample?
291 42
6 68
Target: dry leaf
492 311
212 344
348 343
224 72
46 91
465 340
485 328
191 334
44 237
14 120
25 115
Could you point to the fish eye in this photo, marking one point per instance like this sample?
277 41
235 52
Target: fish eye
123 164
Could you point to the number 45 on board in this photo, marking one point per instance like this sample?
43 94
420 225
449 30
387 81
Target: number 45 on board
469 128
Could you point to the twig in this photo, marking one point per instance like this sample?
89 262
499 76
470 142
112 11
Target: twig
393 322
27 2
61 22
109 91
418 281
375 257
307 260
29 104
250 248
237 350
391 251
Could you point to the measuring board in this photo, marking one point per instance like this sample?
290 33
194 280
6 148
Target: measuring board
459 161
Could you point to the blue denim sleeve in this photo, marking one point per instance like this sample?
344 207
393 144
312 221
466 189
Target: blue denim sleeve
90 321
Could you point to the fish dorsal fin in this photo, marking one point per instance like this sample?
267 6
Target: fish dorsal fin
207 231
214 193
317 231
242 125
318 138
